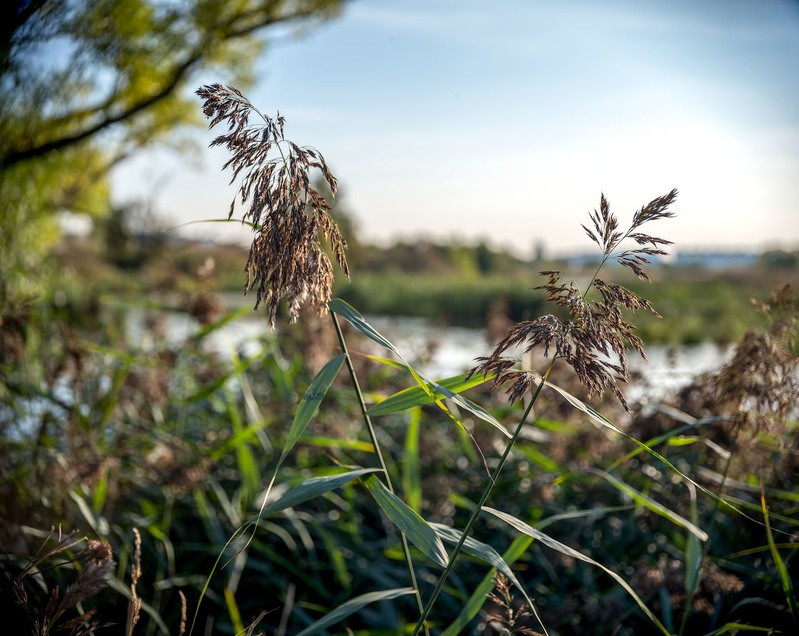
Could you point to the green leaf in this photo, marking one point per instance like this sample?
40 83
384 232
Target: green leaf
683 440
739 627
310 402
313 487
412 472
430 388
247 464
480 594
548 541
418 531
233 611
416 396
431 392
481 551
782 570
351 315
231 317
693 551
352 606
650 504
387 361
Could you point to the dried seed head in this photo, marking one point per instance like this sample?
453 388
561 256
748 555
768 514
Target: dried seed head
593 339
760 383
289 217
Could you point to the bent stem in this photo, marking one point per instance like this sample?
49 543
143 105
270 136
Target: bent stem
370 427
483 498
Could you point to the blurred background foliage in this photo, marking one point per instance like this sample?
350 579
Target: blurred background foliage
85 85
103 431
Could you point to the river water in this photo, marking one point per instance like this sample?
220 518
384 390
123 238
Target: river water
443 351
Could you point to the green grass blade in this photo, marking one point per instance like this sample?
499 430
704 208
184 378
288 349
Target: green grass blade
226 319
650 504
481 551
247 465
352 606
412 471
310 402
233 611
739 627
430 388
352 316
312 488
337 442
386 361
693 551
211 388
480 594
416 396
418 531
100 492
548 541
473 408
782 569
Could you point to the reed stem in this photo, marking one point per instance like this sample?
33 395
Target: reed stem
476 513
373 436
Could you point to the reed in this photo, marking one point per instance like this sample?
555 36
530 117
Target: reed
321 480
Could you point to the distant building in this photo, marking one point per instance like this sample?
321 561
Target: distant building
715 260
704 259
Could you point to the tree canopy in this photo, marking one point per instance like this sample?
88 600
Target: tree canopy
85 84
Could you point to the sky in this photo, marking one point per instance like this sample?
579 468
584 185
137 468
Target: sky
504 121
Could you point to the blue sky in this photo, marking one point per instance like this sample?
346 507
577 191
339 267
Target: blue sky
505 120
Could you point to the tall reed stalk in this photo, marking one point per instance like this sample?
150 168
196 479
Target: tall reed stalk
287 261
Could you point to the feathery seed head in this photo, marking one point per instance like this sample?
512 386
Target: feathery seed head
290 219
593 339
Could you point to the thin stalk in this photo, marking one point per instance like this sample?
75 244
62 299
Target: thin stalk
476 513
370 427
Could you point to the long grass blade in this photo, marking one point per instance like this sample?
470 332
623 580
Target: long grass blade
312 488
418 531
352 316
548 541
650 504
739 627
481 551
480 594
416 396
603 421
233 611
432 389
412 470
224 320
352 606
693 550
310 402
782 569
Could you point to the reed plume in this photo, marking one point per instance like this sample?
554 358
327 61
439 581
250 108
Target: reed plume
289 217
593 339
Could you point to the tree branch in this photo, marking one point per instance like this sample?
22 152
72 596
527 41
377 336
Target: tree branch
233 29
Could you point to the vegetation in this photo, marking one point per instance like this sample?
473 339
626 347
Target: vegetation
266 491
85 85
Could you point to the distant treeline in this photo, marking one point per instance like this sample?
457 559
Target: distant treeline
452 283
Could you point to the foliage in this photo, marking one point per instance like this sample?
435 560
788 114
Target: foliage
283 501
87 84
